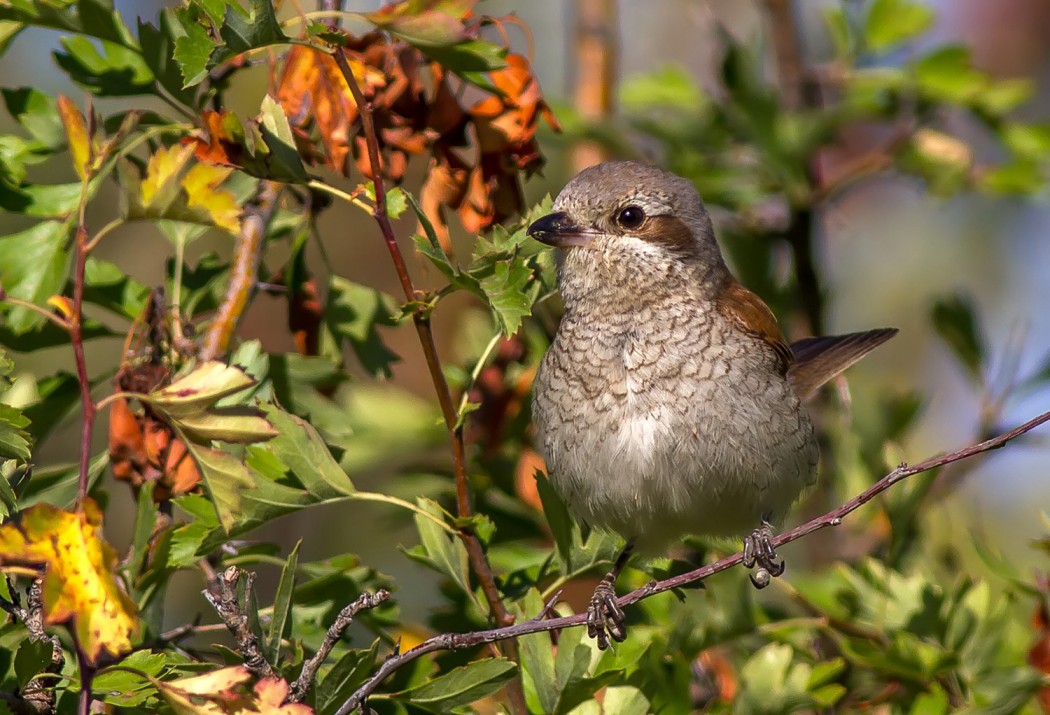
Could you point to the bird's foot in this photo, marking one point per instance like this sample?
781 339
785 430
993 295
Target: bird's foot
605 618
759 551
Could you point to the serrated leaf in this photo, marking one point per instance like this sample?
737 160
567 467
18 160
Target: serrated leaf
284 159
205 199
300 448
193 51
33 266
258 28
226 477
462 686
956 324
504 289
14 440
442 551
79 581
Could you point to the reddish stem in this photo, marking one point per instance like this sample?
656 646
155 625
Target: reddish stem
76 336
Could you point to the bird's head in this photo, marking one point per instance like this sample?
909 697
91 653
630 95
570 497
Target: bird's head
628 222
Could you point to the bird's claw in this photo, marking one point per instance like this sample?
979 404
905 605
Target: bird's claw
605 618
759 551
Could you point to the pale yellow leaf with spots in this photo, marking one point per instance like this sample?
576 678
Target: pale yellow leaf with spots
79 579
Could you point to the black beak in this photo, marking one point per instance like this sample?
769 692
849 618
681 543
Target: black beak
559 230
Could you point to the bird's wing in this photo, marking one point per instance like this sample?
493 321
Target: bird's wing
817 360
752 316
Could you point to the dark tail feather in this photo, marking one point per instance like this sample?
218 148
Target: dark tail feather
817 360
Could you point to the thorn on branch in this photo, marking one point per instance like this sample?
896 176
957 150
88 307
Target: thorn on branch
223 598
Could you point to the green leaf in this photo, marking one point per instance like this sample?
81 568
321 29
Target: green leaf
671 87
96 18
38 114
108 286
505 289
467 59
353 313
226 477
300 448
955 322
14 440
537 658
282 606
947 74
344 678
891 22
119 72
284 161
193 50
33 266
559 520
462 686
31 659
443 552
235 425
54 201
258 28
158 48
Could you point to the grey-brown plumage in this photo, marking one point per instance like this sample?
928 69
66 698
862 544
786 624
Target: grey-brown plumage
669 402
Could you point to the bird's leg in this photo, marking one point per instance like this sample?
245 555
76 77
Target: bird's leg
605 618
759 551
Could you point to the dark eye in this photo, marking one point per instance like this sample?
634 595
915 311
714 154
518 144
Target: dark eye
630 217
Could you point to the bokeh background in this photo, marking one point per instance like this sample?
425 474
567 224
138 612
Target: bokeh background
886 251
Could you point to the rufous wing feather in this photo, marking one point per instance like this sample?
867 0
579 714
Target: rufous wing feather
818 360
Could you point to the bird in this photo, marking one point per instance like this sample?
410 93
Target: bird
669 402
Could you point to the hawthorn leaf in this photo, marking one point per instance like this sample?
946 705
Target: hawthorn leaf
81 151
79 579
236 425
227 477
462 686
193 50
257 28
33 266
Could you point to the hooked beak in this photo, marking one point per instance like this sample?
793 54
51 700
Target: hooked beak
559 230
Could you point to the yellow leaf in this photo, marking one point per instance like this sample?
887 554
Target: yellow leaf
79 579
164 174
80 148
202 184
270 693
62 305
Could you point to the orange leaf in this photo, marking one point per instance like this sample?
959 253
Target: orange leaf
80 144
79 579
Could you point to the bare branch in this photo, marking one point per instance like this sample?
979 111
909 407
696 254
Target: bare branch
306 676
225 602
453 641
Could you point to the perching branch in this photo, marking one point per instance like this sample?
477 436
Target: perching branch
454 641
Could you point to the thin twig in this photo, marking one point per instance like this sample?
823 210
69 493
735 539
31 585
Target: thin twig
453 641
306 677
235 615
421 318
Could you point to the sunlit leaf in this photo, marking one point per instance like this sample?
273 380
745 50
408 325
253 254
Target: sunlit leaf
462 686
81 150
34 264
79 580
891 22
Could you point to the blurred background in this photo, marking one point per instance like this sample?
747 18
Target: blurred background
885 250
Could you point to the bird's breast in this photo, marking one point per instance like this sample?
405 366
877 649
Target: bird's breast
658 423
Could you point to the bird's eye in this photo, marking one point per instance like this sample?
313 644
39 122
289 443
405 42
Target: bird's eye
630 217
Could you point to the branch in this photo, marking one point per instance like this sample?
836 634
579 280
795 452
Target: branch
223 598
426 338
244 272
421 318
454 641
306 676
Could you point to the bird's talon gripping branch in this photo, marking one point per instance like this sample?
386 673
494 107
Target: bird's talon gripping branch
605 618
759 551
